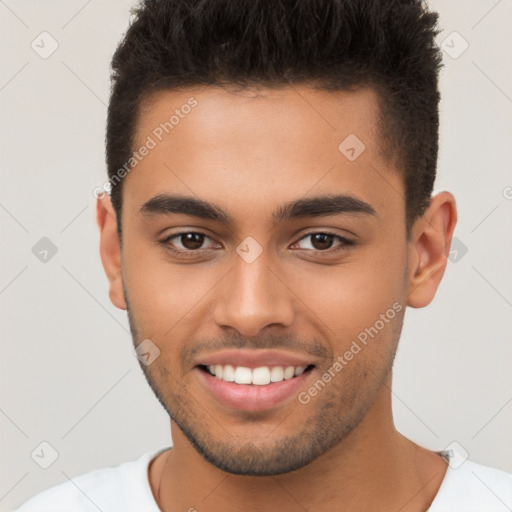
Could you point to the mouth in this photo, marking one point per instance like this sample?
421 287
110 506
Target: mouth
259 376
259 388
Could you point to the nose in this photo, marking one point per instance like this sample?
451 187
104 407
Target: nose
252 297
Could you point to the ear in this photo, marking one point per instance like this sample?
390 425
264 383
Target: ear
429 248
110 249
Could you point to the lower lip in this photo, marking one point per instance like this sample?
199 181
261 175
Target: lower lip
251 397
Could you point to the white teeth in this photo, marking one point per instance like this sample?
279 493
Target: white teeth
299 370
289 372
228 373
276 374
242 375
260 376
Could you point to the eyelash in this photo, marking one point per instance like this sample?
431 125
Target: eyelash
344 245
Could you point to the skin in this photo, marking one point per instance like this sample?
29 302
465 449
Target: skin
250 152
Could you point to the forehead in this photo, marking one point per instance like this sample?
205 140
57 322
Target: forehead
257 111
261 146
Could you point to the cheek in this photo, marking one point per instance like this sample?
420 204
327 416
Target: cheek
163 295
351 296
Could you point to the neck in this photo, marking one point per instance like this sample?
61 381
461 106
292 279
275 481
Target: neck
373 465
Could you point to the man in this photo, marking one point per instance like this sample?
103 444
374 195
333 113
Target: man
270 218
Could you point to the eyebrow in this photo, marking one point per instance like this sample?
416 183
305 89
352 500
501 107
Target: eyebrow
319 206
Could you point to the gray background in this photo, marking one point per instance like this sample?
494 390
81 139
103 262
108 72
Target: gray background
68 375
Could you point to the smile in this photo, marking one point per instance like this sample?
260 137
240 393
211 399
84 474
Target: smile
253 389
261 376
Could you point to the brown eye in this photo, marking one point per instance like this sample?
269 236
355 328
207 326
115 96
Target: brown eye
321 241
192 240
188 242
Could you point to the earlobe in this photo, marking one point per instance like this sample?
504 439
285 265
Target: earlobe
429 248
110 249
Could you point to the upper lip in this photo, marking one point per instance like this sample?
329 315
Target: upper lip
253 358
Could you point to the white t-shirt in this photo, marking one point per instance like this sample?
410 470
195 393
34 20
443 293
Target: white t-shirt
467 487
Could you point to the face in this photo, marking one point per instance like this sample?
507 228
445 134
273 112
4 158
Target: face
276 249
